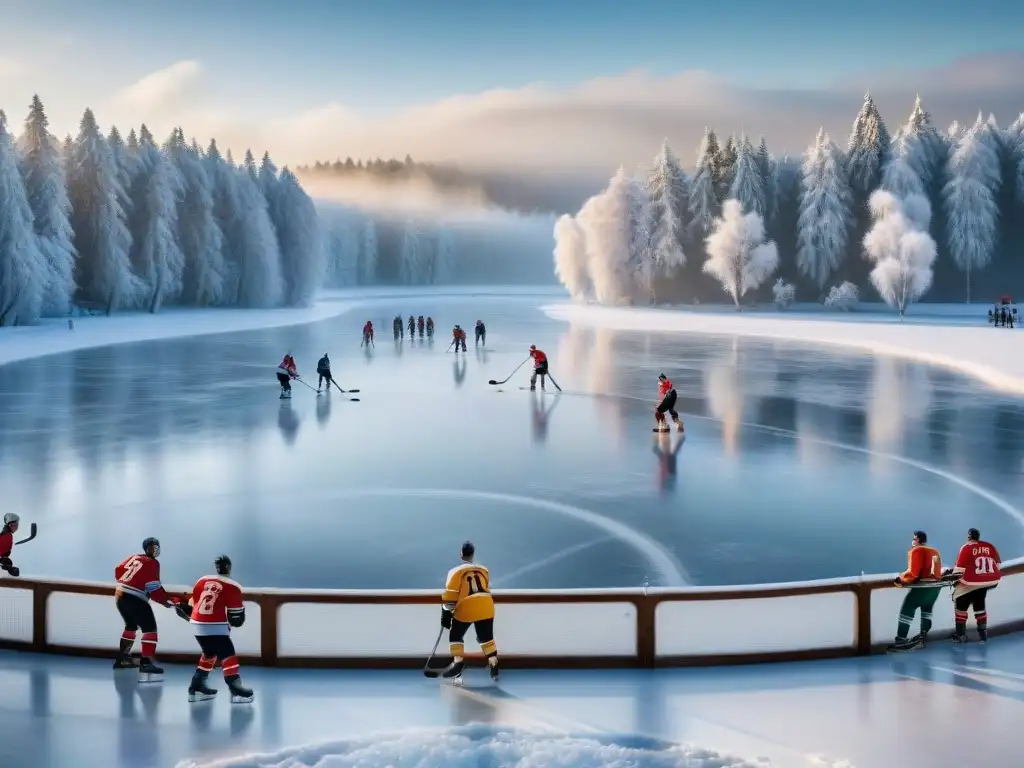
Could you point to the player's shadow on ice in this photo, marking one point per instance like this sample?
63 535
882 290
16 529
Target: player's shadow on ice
459 370
540 413
288 422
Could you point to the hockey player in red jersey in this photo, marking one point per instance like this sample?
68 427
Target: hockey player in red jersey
667 403
367 334
216 607
977 567
540 367
10 527
138 582
287 371
459 338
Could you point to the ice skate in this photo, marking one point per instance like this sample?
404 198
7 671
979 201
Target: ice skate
982 635
150 672
492 667
239 694
959 638
198 690
454 672
125 662
903 644
680 427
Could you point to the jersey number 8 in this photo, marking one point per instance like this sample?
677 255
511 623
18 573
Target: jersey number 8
208 598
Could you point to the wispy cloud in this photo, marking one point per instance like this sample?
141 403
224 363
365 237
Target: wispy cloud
162 91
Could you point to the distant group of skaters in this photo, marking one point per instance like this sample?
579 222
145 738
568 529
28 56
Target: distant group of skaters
975 573
425 327
1002 316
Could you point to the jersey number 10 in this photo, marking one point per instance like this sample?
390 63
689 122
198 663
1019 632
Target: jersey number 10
984 565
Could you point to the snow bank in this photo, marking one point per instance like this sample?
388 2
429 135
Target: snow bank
993 355
477 745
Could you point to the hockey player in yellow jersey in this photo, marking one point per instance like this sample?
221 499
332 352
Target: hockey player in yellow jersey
467 601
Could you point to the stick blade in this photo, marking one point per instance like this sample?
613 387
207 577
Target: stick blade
353 399
432 673
492 382
351 390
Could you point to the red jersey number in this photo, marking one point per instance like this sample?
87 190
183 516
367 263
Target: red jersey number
980 562
130 568
212 599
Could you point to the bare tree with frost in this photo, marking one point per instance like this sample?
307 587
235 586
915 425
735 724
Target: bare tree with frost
199 237
747 181
605 220
42 168
368 254
899 244
972 211
826 211
23 268
571 258
445 266
298 234
738 256
102 240
156 256
667 188
703 195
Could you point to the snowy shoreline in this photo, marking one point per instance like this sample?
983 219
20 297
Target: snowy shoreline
993 356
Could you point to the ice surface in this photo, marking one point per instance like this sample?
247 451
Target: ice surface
936 335
487 745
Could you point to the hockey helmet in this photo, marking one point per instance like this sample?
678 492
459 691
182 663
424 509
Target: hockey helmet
11 519
662 377
223 565
151 543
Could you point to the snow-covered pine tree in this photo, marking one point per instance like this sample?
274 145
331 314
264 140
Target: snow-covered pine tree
42 168
738 256
668 193
445 265
929 157
298 233
972 213
410 267
768 169
249 163
747 182
868 149
24 272
268 177
261 279
198 235
156 255
368 254
570 254
642 265
826 211
901 248
104 276
909 157
703 195
727 168
1016 141
605 221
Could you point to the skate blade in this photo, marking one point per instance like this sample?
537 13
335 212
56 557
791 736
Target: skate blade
235 699
456 681
194 697
149 677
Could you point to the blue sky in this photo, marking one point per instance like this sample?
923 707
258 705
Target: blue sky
265 58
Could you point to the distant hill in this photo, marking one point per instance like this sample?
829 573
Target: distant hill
512 192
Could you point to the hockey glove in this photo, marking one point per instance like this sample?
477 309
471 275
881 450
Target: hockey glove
236 618
183 611
446 618
897 583
10 567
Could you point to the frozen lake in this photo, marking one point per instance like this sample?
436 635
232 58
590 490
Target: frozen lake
799 462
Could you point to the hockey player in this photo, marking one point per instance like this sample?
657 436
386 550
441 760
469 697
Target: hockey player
481 333
287 371
412 327
368 333
977 571
10 527
430 327
466 601
397 327
323 371
459 337
922 581
420 325
540 367
667 395
216 608
138 582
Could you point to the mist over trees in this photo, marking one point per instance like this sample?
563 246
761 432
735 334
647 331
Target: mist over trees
919 213
100 222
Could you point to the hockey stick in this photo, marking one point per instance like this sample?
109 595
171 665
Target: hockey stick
353 399
492 382
427 670
554 382
32 530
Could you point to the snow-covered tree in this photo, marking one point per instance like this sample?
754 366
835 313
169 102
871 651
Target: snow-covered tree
909 158
24 271
104 274
42 168
156 255
703 189
747 182
826 210
368 255
667 188
927 153
901 248
200 239
768 169
571 257
868 149
445 266
783 294
738 256
298 233
970 197
727 167
410 264
1016 142
605 220
261 280
843 297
